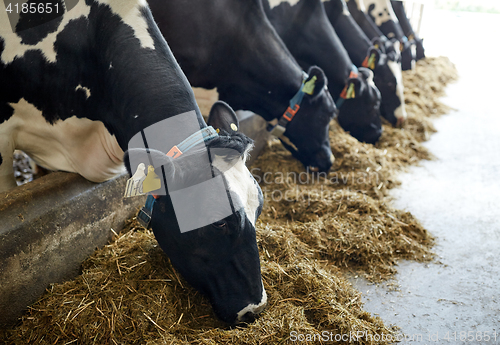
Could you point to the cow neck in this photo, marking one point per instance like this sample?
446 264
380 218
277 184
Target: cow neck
348 90
363 20
353 38
278 128
203 135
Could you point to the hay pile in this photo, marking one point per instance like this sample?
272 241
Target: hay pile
311 229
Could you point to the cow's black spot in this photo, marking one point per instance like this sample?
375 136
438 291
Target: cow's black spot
34 27
380 14
6 111
1 159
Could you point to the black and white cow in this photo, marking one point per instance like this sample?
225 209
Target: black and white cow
381 12
357 10
75 90
308 34
387 73
399 10
229 44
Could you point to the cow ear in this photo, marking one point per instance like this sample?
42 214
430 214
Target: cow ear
378 44
355 87
315 82
223 117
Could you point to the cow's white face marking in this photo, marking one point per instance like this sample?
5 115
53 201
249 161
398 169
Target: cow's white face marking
395 67
242 183
130 12
384 7
254 308
77 145
13 46
369 80
274 3
345 10
86 89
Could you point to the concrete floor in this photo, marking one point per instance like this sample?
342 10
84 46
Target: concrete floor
456 197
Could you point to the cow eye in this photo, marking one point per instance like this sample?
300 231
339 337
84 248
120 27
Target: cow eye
220 224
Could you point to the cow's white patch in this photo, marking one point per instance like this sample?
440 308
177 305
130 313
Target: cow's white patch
76 145
13 46
345 10
274 3
241 182
413 53
254 308
130 12
395 67
382 12
86 89
360 4
369 80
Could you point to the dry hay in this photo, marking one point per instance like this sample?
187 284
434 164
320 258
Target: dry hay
128 293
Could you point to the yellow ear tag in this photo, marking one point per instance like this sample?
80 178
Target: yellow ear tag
151 182
217 130
350 92
371 62
234 127
309 86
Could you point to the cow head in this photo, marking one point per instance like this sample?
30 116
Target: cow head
387 78
360 115
420 51
306 136
219 259
408 55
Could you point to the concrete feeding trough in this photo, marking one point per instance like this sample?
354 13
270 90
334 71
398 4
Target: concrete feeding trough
49 226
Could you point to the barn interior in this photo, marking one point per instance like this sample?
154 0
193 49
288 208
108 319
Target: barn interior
403 243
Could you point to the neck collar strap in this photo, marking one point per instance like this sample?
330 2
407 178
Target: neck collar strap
307 87
348 91
201 136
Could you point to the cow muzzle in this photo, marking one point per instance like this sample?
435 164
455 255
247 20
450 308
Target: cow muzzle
251 311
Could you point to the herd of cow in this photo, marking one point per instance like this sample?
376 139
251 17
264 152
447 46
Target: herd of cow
77 86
